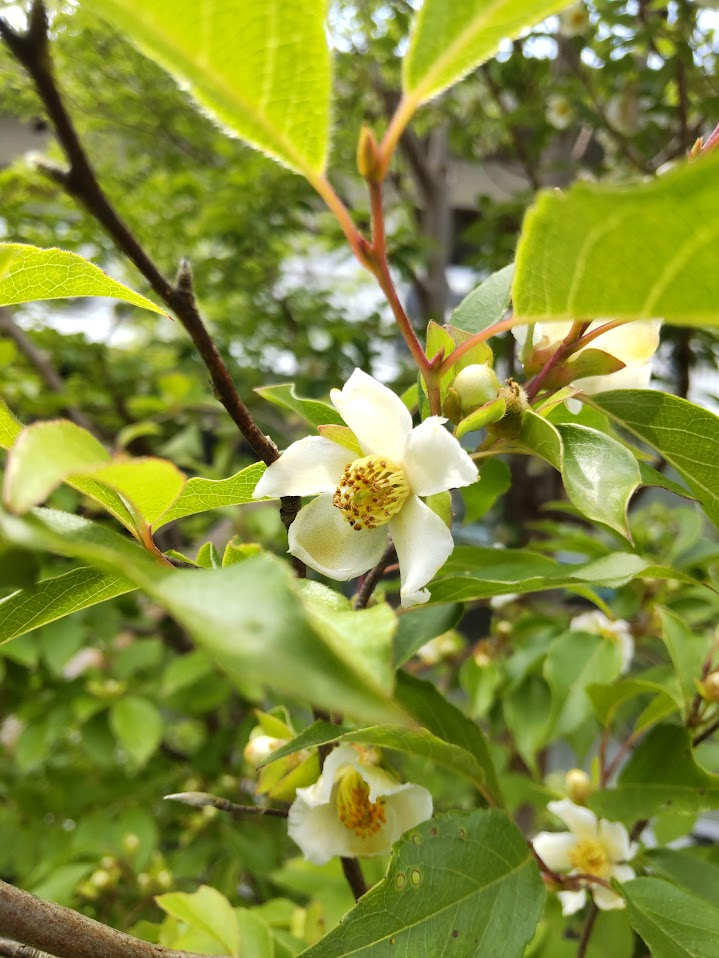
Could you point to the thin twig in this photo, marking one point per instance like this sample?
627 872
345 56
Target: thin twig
355 879
13 949
706 733
205 799
373 577
587 931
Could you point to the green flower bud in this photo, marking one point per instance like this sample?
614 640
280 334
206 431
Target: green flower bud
475 385
579 786
367 154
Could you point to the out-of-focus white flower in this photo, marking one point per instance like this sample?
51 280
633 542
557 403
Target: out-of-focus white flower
260 747
560 112
593 847
622 112
355 808
617 631
574 20
11 728
370 487
441 647
499 601
81 662
632 343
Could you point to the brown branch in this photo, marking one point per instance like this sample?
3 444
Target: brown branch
355 879
372 578
32 50
205 799
706 733
587 931
65 933
13 949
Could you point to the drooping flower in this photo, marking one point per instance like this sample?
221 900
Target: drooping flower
617 631
592 846
355 808
370 487
634 344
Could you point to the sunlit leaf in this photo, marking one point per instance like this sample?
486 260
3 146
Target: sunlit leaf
202 495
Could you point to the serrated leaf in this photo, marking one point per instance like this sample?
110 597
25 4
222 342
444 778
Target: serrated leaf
486 304
138 727
686 435
454 886
150 485
660 774
608 699
634 251
208 910
43 455
28 273
449 40
673 922
52 599
262 68
313 411
202 495
10 428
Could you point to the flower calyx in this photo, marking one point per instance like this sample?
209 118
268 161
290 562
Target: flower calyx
516 404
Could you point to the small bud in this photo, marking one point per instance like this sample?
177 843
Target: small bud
261 747
578 785
517 404
367 155
144 881
709 688
100 879
475 385
130 842
163 879
108 862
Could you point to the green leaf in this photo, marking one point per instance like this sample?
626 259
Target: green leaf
202 495
43 455
672 922
686 869
420 625
449 40
608 699
660 774
313 411
461 885
208 910
652 477
10 428
686 435
486 304
150 486
494 480
138 727
28 273
633 251
52 599
687 650
263 68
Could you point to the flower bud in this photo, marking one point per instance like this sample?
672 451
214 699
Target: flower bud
709 688
163 879
130 842
101 878
475 385
578 785
261 747
517 404
367 155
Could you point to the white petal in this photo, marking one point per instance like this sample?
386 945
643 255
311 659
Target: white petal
554 848
615 838
435 461
606 899
406 808
579 820
572 901
623 873
318 831
594 621
379 418
633 343
306 467
322 538
423 543
321 792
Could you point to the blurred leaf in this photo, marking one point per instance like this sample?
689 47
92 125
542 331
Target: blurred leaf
149 485
138 727
10 428
634 251
686 435
672 922
486 304
276 95
452 885
314 412
52 599
687 650
202 495
208 910
688 870
494 480
420 625
607 699
28 273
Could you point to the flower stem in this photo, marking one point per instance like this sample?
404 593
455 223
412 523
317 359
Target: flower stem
587 931
373 577
355 879
564 350
481 337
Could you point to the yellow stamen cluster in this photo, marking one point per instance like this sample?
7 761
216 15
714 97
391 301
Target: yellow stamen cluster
370 492
354 808
589 856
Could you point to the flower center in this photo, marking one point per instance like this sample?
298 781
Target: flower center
590 857
371 491
354 808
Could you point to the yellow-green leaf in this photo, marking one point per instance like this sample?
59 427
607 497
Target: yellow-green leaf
261 66
201 495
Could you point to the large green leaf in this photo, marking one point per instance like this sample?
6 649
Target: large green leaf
150 486
686 435
261 66
486 304
450 39
419 625
313 411
687 869
673 922
633 251
463 884
207 910
10 428
687 650
52 599
660 775
28 273
202 495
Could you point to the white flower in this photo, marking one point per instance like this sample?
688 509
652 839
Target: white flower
81 662
11 728
632 343
373 489
574 20
591 847
260 747
617 631
355 808
560 112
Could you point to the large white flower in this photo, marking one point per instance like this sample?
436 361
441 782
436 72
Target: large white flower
593 847
633 343
355 808
373 489
617 631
